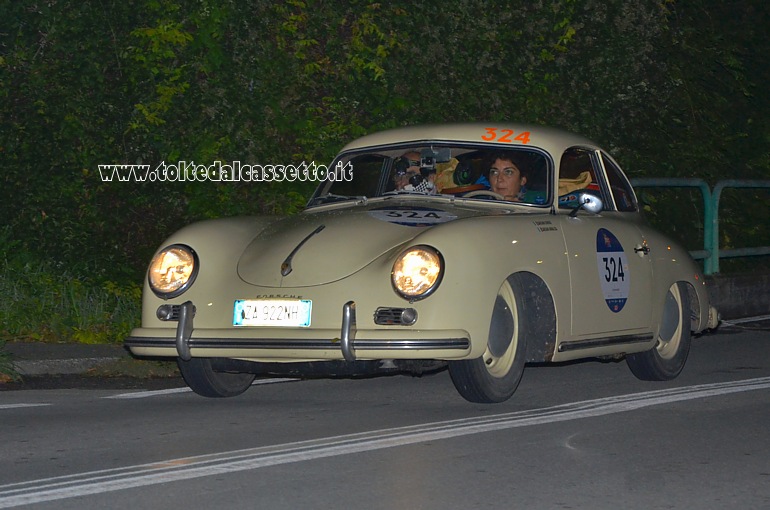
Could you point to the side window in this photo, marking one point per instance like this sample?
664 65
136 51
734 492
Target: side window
619 185
577 173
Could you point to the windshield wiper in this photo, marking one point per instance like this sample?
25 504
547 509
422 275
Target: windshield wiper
331 197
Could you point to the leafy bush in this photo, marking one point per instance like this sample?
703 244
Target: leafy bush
46 306
671 88
46 303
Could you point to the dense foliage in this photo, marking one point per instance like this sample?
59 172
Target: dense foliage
672 88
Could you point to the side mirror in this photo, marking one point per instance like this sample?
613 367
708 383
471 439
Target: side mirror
589 202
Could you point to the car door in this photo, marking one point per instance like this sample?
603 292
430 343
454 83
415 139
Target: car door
610 271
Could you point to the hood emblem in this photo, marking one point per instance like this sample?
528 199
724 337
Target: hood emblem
286 266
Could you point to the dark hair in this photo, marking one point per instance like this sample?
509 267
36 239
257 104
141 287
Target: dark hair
522 160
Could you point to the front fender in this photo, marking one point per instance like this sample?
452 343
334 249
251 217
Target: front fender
218 244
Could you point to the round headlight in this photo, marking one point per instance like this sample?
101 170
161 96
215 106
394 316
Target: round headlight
173 270
417 272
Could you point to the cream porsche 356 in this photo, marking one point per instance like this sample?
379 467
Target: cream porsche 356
408 258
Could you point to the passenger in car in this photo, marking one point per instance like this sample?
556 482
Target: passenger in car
408 176
404 168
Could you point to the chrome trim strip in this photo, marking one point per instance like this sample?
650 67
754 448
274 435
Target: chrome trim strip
602 342
286 266
298 343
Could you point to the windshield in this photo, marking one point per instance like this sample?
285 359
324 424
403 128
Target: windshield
479 172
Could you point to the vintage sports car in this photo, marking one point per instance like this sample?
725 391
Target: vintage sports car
481 247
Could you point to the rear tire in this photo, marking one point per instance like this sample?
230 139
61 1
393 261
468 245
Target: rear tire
494 376
667 359
201 377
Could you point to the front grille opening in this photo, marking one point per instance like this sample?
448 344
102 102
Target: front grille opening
387 316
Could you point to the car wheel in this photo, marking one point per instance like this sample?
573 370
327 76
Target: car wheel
495 376
201 377
666 360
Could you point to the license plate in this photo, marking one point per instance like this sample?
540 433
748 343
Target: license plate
287 313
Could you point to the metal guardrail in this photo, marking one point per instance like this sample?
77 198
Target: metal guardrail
736 252
711 252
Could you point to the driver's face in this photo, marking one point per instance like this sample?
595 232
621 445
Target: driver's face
505 178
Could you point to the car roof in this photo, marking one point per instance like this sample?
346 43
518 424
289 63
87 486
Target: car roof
553 140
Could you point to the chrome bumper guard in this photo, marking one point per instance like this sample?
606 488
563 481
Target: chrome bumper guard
348 333
184 330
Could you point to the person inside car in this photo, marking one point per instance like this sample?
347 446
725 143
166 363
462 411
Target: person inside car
506 178
509 175
409 176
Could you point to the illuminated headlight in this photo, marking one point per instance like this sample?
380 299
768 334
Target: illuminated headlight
173 270
417 272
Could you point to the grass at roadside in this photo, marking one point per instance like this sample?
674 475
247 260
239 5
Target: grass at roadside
136 368
42 304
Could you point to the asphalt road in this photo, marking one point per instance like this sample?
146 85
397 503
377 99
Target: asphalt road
584 435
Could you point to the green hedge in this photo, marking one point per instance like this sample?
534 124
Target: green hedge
671 88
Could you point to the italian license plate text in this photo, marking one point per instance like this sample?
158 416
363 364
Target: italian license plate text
272 312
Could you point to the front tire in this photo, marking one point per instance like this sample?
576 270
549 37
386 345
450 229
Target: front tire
200 376
494 376
666 360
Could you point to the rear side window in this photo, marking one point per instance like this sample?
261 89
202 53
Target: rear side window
578 174
625 201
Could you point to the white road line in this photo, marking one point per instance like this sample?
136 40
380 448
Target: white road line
97 482
155 393
748 319
16 406
145 394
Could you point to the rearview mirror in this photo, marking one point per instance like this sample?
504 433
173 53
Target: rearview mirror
440 155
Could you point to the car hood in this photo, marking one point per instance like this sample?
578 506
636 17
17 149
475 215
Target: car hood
325 245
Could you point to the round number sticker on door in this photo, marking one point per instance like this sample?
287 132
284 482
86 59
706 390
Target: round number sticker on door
613 270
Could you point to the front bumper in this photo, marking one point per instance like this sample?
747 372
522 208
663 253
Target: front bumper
277 344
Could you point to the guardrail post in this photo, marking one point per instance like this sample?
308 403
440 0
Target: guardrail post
709 211
721 185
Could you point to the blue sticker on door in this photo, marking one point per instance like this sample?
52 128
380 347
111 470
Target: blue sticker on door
614 274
